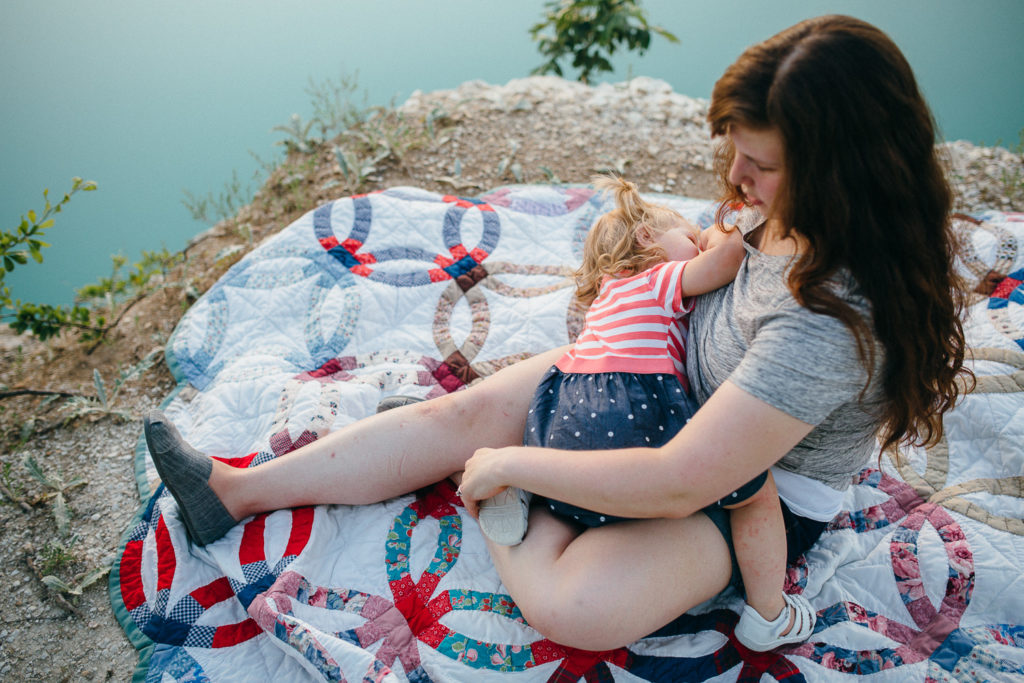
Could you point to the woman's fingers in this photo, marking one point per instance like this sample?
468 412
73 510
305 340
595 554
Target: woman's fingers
479 481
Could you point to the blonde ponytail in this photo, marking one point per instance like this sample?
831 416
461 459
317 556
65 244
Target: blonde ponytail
613 246
627 197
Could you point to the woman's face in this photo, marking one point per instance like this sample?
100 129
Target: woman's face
757 166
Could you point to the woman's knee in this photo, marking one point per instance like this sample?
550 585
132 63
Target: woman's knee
626 581
457 411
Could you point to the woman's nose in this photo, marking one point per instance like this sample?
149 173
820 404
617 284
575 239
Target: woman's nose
737 172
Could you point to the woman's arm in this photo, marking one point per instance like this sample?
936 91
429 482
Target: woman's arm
715 266
730 440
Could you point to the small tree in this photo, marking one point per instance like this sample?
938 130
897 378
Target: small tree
591 31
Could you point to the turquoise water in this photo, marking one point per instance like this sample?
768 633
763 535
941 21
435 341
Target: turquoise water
149 99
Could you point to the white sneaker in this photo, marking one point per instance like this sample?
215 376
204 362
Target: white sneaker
503 517
760 635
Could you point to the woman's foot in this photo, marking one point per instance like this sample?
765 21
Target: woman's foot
794 624
503 517
186 474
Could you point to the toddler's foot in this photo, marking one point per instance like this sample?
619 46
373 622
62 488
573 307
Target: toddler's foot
186 474
794 624
396 401
503 517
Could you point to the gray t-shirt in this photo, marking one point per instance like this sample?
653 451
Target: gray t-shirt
754 333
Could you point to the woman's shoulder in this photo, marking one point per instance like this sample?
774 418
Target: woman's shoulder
769 277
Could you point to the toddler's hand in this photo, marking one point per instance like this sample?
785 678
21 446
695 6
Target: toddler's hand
714 236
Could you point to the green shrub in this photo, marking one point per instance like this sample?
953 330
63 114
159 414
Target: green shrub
591 31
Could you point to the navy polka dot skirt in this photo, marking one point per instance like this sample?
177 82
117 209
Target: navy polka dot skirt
603 411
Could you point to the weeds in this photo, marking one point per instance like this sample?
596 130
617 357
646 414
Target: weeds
75 588
386 135
1013 186
8 482
333 110
1013 182
56 487
436 115
212 209
354 168
103 403
11 488
509 165
550 175
456 180
56 557
362 138
298 138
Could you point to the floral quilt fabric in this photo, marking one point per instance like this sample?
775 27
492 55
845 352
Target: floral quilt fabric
410 292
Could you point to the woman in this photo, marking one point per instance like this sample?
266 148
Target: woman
842 323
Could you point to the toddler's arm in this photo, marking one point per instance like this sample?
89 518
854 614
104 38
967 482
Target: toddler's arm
716 265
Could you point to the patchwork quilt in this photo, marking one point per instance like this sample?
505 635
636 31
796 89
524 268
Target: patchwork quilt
409 292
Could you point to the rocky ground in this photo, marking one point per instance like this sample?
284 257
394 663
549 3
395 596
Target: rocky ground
462 141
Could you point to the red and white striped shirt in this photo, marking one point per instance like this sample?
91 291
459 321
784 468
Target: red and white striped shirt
636 324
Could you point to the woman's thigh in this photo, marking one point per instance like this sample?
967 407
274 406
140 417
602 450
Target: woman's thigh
494 410
391 453
610 586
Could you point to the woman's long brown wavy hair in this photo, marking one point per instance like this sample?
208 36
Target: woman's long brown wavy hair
864 187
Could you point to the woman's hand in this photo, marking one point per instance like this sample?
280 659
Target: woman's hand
483 477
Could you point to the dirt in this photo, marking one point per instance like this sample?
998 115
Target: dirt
464 142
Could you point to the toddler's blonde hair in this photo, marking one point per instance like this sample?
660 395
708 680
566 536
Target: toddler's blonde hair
613 245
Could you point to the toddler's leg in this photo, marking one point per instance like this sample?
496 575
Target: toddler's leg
771 618
759 538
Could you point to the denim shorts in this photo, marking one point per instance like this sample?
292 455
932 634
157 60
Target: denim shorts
604 410
592 519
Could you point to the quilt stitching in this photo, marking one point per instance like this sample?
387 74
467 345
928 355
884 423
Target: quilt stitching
321 369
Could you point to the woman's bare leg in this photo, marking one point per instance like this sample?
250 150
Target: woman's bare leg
612 585
390 453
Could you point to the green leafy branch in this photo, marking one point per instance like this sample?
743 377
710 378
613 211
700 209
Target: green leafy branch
107 301
16 247
44 320
98 307
591 31
26 242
